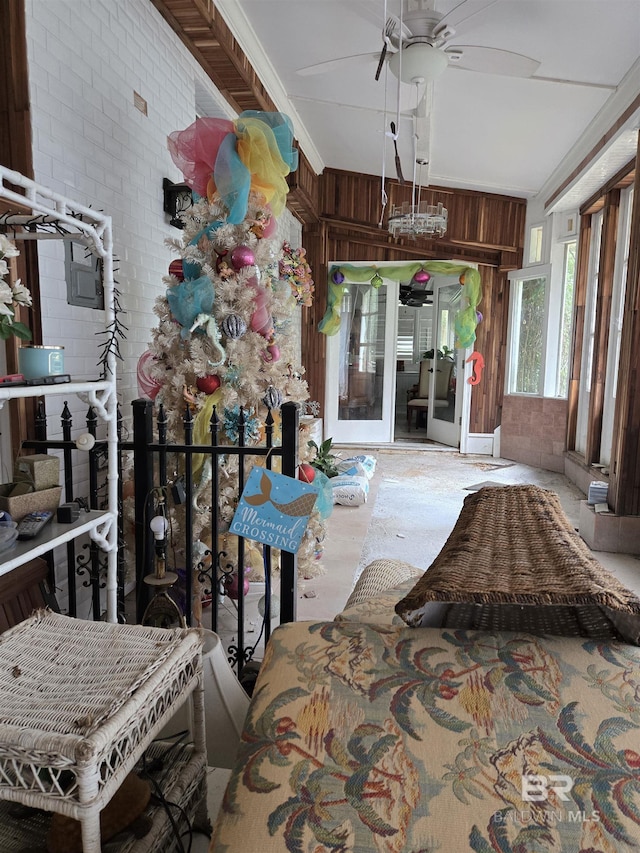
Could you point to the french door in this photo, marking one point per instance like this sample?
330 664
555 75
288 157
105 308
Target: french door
361 362
447 389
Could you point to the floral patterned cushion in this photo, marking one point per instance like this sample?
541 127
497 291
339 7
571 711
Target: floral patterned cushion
385 739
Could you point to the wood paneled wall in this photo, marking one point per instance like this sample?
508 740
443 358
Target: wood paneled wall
16 154
484 229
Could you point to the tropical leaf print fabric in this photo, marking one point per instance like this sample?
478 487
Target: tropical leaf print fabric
370 737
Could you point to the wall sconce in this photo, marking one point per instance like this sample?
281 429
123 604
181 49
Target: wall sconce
176 199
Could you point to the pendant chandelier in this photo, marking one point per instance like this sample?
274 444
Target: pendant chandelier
418 220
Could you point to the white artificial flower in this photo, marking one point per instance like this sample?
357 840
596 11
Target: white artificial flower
4 267
7 249
6 299
21 294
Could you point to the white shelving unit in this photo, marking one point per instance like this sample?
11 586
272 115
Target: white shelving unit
41 214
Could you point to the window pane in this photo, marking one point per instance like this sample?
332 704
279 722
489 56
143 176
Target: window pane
535 244
529 330
569 274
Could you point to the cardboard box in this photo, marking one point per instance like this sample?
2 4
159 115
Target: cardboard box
20 505
41 470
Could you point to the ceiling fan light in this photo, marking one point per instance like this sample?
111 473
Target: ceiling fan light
419 60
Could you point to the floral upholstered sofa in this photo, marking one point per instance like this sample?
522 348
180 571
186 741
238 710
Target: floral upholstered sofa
380 731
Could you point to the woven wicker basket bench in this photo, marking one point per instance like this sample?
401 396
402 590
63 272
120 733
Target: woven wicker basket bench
514 562
79 704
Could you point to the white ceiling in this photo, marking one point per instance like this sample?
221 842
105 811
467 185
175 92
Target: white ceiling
488 132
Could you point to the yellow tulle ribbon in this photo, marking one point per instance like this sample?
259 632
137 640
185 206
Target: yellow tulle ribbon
258 149
202 429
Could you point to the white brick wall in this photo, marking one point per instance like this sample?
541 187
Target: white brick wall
92 145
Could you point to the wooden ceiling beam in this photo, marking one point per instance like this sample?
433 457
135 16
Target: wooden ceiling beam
202 29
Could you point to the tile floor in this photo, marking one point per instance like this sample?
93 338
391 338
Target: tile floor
415 498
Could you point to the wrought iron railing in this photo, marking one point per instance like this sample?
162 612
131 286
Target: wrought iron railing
146 455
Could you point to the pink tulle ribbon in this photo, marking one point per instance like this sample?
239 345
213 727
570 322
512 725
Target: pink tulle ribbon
195 149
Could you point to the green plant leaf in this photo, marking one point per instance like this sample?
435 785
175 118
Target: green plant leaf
21 331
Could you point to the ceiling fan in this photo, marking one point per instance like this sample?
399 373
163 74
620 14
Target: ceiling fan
418 46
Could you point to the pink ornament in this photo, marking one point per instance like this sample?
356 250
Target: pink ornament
231 585
272 353
262 322
147 386
421 276
242 256
208 384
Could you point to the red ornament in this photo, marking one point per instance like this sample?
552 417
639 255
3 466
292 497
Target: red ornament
306 472
208 384
175 268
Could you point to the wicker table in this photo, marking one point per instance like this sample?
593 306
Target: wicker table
79 704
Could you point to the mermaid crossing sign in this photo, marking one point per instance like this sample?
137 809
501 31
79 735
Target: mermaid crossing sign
274 510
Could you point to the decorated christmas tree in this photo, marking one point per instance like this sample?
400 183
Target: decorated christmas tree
225 337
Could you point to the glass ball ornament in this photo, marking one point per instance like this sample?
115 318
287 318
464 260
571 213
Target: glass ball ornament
337 277
242 256
231 584
233 326
208 384
272 398
275 606
422 276
176 269
376 281
479 317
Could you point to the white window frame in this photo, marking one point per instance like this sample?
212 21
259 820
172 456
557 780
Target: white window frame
562 295
516 278
621 265
536 228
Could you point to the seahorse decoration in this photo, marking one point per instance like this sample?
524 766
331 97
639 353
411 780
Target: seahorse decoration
299 507
477 360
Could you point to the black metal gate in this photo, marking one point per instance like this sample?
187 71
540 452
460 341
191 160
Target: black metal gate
149 451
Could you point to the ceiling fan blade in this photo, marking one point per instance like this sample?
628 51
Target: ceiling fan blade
491 60
336 64
464 11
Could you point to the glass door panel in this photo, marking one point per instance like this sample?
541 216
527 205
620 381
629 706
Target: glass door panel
361 367
443 420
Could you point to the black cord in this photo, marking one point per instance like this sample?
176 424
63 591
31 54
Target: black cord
157 764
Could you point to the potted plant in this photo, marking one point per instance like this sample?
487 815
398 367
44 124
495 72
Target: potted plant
324 460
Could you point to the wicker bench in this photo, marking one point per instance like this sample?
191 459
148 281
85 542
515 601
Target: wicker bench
81 701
